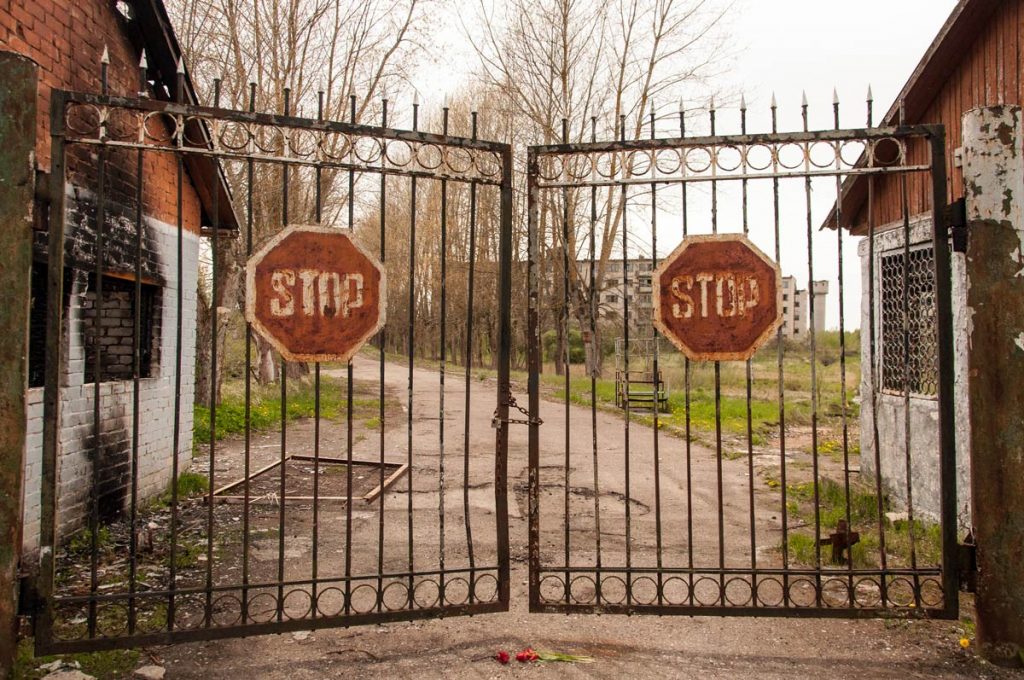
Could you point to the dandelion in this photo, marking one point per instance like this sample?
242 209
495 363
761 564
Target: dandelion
964 643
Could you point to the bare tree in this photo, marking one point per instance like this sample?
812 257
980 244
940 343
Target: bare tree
269 53
571 68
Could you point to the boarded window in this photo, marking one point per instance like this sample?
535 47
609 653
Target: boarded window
909 357
114 334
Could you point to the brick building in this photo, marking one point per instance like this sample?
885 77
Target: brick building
67 39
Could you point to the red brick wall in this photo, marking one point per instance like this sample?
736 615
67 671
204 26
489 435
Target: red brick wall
66 38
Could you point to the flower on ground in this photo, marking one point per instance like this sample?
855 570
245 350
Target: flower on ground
964 643
502 656
526 655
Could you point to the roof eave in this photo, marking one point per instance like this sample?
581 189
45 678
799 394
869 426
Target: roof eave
939 61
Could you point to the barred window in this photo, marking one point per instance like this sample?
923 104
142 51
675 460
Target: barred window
912 366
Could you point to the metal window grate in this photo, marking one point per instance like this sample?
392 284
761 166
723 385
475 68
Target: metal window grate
915 367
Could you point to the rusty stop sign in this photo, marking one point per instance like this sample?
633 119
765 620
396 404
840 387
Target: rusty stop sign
717 298
314 294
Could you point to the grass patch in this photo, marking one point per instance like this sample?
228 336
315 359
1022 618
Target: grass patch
265 409
926 537
118 663
703 411
190 484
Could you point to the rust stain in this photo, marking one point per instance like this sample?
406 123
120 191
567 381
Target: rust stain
315 294
17 130
717 297
996 298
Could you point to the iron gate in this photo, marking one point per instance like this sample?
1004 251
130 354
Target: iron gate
766 502
338 521
762 504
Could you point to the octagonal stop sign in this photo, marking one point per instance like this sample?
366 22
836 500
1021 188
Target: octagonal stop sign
314 294
717 298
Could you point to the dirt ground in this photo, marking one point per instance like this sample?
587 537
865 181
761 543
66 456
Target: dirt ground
641 646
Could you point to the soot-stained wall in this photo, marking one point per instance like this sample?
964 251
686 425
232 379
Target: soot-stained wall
101 457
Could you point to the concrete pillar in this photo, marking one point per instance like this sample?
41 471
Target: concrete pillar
993 164
17 174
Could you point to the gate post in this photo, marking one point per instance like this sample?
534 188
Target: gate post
17 145
993 168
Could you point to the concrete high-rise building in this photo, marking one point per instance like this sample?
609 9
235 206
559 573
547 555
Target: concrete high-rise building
820 289
634 283
796 311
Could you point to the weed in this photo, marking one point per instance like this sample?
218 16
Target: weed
187 555
801 548
81 541
110 664
192 484
189 484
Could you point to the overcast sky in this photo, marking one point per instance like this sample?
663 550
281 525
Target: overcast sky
792 45
785 47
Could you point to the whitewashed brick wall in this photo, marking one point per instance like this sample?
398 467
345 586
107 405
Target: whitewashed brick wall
156 399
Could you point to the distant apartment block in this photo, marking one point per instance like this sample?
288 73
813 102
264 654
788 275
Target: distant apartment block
796 311
635 284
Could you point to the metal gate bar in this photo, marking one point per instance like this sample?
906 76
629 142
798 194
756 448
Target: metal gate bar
174 600
577 562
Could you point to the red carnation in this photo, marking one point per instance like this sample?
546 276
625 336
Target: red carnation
502 657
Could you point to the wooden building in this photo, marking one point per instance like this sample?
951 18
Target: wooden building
974 61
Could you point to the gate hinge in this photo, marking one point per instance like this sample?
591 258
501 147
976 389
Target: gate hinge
967 564
956 220
495 420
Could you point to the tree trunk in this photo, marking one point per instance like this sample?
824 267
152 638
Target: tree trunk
592 349
297 370
560 367
266 361
204 340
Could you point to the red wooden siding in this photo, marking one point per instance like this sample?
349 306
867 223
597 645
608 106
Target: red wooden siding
987 74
